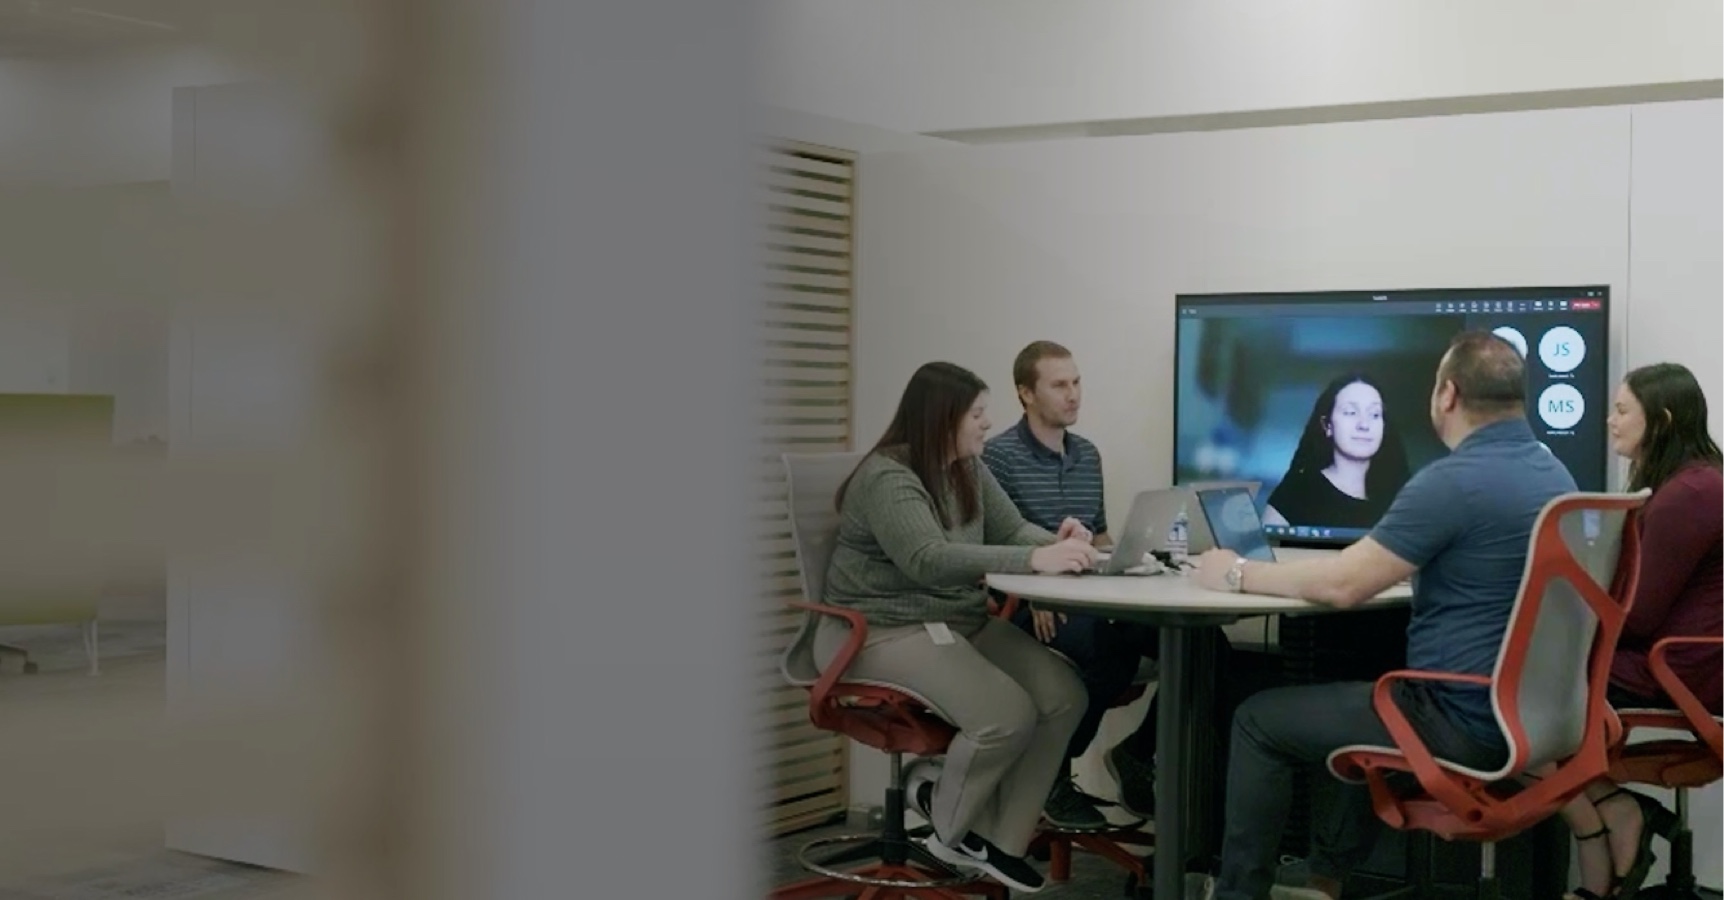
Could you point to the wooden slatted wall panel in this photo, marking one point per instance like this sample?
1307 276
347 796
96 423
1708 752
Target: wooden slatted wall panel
805 328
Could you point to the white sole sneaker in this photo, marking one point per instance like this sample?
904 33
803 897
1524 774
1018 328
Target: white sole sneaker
951 856
960 858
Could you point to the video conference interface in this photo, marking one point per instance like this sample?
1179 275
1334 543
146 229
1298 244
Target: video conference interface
1324 397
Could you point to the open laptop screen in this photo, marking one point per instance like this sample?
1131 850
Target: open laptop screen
1234 522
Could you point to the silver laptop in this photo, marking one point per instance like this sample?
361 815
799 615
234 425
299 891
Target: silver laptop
1131 544
1162 509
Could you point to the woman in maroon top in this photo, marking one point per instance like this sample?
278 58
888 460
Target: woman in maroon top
1658 423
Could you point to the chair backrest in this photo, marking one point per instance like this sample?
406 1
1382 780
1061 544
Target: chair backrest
812 488
1554 663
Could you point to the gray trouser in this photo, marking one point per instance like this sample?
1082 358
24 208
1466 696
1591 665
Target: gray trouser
1015 705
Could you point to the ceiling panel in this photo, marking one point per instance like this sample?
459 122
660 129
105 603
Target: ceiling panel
37 28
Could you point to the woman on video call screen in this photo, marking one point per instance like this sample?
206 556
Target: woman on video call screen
1349 464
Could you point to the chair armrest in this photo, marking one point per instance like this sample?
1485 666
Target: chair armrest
834 672
1615 729
1001 604
1431 776
1705 727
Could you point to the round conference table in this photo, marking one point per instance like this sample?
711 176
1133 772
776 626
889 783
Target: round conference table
1179 608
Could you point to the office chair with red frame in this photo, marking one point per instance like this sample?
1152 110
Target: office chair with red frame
1678 763
1548 691
887 718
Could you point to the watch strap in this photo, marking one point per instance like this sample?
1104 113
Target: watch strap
1236 573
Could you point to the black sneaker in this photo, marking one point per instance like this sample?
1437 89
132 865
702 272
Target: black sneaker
1072 809
974 852
1136 780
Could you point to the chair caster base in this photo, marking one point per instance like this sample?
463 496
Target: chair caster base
1144 889
1667 892
890 883
919 877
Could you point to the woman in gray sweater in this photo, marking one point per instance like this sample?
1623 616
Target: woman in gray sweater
922 521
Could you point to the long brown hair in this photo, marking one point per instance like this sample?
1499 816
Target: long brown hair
1675 410
1387 472
924 433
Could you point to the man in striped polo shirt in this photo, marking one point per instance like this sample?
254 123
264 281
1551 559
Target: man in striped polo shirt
1053 474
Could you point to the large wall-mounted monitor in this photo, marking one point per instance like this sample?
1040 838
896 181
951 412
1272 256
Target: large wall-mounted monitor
1298 390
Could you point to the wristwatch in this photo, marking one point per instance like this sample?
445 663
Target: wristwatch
1236 576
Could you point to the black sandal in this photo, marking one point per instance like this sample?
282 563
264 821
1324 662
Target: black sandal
1654 820
1581 893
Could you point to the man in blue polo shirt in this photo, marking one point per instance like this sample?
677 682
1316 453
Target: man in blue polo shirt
1053 474
1463 524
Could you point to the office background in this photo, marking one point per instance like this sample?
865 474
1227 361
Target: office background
986 218
968 253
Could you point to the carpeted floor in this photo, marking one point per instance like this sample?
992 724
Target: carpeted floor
1092 877
127 862
51 849
160 876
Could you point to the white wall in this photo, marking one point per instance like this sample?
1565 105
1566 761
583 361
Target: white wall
967 254
35 349
124 353
242 386
938 65
1676 276
35 343
1677 256
108 120
83 122
85 274
87 122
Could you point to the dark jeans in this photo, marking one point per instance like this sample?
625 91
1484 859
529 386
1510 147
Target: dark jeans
1280 731
1106 656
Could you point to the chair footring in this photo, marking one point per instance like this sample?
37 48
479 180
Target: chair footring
920 871
888 882
861 853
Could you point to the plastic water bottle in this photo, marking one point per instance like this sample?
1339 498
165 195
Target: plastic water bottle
1178 536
